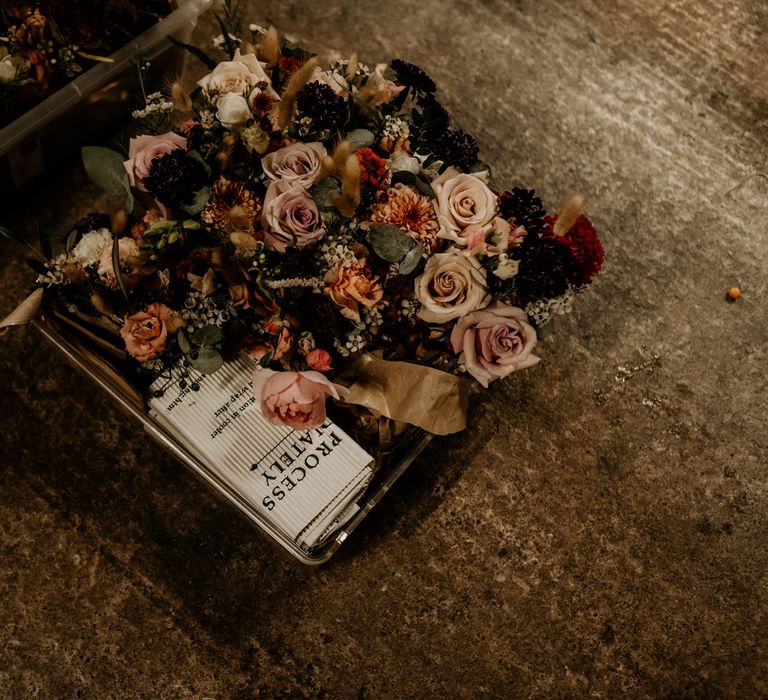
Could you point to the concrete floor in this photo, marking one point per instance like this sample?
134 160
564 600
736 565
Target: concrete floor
600 529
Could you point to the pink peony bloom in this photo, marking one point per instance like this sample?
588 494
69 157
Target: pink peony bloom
494 342
145 333
144 149
293 399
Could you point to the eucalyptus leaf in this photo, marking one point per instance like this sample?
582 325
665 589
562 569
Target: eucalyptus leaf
321 192
106 170
207 336
411 260
360 138
199 200
403 176
183 341
425 188
545 329
116 267
207 360
390 242
196 155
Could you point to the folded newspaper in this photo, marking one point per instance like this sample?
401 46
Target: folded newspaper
305 483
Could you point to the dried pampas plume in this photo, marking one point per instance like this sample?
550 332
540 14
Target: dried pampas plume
344 165
568 215
268 49
180 97
119 222
352 67
224 156
298 80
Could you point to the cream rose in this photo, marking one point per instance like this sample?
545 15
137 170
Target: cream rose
144 149
463 199
90 247
237 76
494 342
145 333
293 399
352 284
452 285
298 164
290 216
232 110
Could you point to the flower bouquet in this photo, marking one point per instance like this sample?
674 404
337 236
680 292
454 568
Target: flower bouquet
329 224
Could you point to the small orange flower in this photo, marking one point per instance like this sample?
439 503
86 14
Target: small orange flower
373 169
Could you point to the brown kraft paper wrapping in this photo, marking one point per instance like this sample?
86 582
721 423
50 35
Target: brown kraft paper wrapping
429 398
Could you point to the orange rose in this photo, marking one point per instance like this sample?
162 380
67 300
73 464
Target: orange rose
353 283
146 332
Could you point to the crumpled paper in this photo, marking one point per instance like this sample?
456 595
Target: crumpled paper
429 398
24 312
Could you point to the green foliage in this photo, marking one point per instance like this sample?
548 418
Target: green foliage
105 169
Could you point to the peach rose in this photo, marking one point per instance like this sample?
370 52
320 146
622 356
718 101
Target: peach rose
463 199
353 283
452 285
294 399
145 333
494 342
298 164
144 149
129 253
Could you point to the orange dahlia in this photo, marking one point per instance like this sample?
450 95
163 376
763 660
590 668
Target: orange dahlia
232 207
413 212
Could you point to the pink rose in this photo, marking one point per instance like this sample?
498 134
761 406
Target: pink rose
298 163
145 333
295 399
144 149
494 342
290 217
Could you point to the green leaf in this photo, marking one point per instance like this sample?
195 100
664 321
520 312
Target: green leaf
545 329
196 155
405 177
360 138
321 192
425 188
411 260
207 336
390 242
201 56
105 169
116 267
480 167
11 236
207 360
71 240
199 200
183 341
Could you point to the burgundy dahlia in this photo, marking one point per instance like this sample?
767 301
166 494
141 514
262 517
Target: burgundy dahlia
524 207
545 268
323 106
175 178
412 76
587 254
92 222
457 148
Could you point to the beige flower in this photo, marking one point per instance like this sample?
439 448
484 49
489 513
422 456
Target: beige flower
463 199
412 212
236 76
452 285
351 284
232 207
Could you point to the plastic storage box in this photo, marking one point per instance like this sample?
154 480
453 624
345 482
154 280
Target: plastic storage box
405 449
94 104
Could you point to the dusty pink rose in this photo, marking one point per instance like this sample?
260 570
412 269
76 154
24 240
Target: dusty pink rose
494 342
145 333
295 399
290 217
298 163
319 359
142 150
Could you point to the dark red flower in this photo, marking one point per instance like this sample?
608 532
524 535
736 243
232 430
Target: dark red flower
373 168
586 249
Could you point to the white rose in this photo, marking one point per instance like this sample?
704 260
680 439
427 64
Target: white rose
7 71
463 199
452 285
232 110
236 76
90 247
298 164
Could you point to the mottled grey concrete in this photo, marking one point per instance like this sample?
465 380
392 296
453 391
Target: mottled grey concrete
599 531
